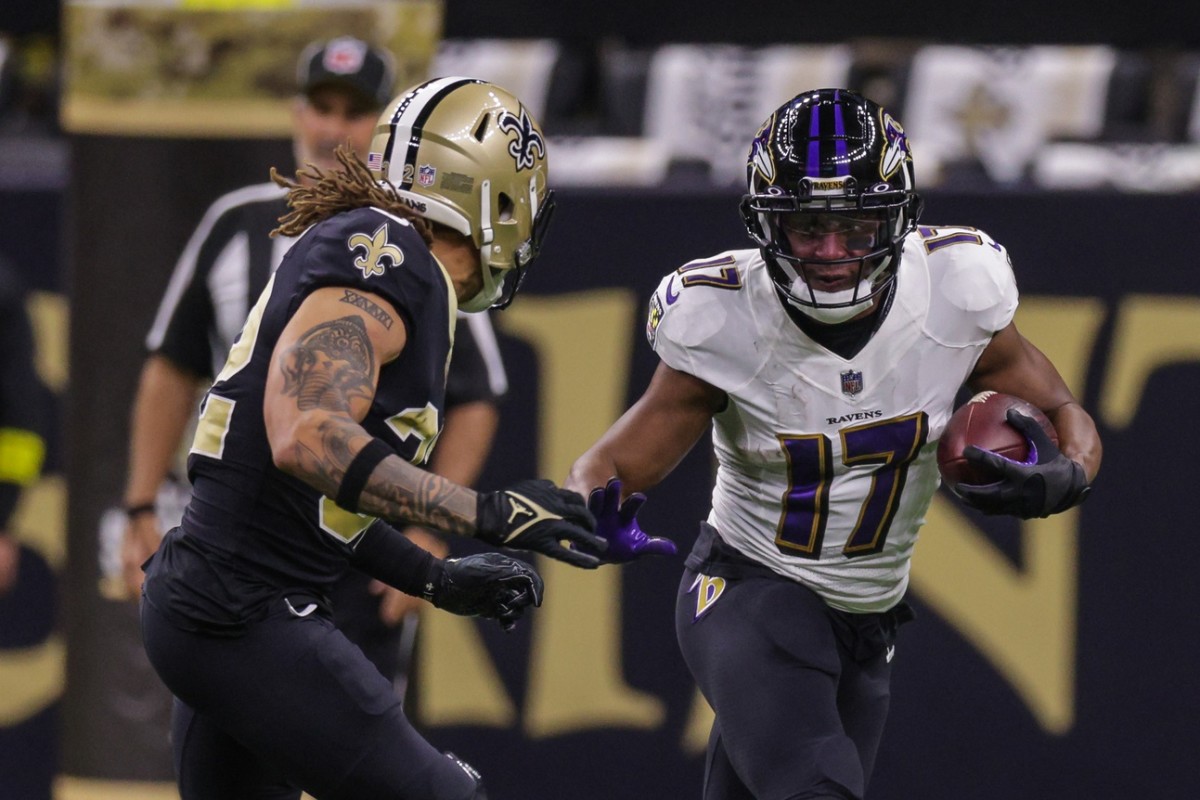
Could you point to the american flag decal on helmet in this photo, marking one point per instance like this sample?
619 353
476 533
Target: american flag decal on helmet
375 161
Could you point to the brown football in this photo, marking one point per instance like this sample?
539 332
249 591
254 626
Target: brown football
982 421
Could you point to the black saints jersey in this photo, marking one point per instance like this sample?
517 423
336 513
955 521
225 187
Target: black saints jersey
252 531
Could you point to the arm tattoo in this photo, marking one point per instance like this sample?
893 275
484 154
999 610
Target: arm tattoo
397 491
331 366
358 301
401 492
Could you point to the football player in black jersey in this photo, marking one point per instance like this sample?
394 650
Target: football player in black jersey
309 444
343 85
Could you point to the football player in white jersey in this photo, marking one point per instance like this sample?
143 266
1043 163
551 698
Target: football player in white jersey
827 360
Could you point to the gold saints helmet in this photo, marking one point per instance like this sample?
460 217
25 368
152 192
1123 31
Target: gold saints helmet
465 153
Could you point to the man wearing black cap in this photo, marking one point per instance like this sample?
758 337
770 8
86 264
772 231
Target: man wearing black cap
343 85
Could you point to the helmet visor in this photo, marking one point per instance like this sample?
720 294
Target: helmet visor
855 231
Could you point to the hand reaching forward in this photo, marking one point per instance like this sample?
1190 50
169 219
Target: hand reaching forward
537 515
617 523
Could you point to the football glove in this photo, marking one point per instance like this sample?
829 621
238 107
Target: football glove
1046 483
617 523
487 585
537 515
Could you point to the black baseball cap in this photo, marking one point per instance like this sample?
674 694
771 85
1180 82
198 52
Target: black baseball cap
349 62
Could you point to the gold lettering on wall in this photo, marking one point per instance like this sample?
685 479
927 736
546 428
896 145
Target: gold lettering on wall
459 682
1023 619
583 342
699 723
33 678
1151 331
48 318
35 675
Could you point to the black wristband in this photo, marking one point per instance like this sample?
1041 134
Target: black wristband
491 509
359 471
140 509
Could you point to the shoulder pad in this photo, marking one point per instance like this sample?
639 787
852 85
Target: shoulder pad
690 310
973 292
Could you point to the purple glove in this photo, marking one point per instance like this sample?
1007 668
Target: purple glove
617 523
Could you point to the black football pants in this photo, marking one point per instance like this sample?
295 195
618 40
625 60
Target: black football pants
290 705
800 691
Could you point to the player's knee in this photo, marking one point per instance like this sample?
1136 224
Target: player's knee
477 790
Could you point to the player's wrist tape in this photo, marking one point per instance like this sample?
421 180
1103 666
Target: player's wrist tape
360 469
139 509
388 555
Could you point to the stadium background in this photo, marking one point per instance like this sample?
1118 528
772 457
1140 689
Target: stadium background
1051 659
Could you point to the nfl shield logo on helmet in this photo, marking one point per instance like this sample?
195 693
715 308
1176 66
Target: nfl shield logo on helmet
852 382
425 174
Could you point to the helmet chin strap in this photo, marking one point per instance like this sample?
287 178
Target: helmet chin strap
489 295
493 280
831 308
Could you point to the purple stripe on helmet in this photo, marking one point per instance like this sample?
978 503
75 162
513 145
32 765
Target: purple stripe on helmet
812 165
839 133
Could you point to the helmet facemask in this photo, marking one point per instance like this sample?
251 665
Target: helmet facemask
500 283
870 234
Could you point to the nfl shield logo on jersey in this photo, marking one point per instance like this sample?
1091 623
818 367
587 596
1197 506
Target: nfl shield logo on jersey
852 382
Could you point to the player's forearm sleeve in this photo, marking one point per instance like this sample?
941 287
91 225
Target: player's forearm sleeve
387 555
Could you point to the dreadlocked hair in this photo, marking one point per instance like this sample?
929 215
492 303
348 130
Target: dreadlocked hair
348 188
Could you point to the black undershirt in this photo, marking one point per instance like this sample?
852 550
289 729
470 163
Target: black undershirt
846 339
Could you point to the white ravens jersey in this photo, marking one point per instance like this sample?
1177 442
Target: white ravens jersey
827 465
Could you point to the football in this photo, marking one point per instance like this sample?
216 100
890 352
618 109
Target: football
982 421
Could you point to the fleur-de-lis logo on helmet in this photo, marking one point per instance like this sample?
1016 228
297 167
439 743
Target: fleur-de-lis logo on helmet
527 140
376 249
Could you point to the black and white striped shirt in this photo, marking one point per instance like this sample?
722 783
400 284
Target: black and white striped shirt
226 265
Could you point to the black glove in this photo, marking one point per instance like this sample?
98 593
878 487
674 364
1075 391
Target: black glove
486 585
1046 484
537 515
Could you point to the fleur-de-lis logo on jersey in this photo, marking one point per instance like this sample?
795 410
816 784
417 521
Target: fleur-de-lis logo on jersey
527 140
376 251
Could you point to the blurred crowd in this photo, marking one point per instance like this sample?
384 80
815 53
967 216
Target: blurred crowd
1058 117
